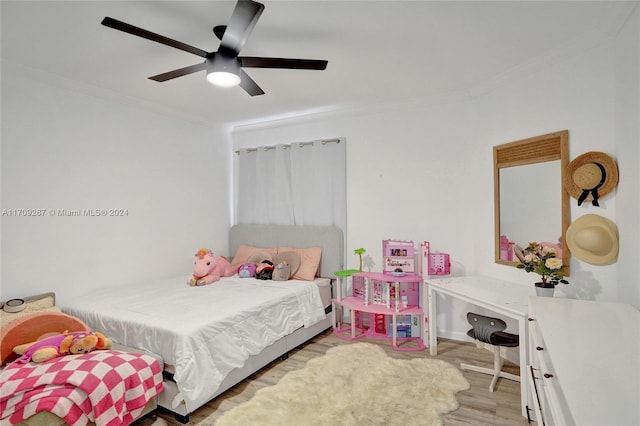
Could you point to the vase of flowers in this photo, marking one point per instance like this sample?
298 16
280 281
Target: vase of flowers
543 261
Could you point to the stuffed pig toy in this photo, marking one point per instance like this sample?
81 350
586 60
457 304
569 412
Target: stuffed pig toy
77 342
208 268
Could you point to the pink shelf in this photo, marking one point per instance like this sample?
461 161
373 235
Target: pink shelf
407 278
355 303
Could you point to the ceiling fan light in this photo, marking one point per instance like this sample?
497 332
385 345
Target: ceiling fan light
223 71
223 78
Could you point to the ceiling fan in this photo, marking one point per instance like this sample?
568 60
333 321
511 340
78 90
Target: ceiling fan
224 67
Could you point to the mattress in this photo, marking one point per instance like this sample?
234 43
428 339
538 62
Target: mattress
203 332
324 287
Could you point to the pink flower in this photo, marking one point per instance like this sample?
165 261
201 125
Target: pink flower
543 261
548 250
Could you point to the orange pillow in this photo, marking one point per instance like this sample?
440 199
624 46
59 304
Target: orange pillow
244 252
30 328
309 262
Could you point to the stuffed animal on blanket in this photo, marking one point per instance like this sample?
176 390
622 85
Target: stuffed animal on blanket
247 270
77 342
264 270
208 268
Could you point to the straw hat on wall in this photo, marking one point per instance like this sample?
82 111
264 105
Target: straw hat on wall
591 176
593 239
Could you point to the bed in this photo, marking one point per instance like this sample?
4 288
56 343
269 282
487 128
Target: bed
64 390
212 337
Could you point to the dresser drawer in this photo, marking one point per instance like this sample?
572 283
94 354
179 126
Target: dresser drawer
587 351
544 385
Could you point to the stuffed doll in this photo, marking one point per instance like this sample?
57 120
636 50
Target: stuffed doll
287 264
208 268
264 270
281 272
247 270
77 342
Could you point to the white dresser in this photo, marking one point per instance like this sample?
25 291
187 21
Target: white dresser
585 362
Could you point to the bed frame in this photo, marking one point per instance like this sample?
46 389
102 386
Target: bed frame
330 239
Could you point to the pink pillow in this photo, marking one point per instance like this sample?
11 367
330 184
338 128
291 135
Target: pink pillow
244 252
309 262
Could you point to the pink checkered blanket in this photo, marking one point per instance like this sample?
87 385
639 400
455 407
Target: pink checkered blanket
105 387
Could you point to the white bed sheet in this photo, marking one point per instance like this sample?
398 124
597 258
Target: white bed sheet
204 332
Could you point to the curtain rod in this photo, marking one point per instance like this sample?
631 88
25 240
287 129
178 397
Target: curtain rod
267 148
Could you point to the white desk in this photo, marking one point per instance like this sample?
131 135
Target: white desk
503 297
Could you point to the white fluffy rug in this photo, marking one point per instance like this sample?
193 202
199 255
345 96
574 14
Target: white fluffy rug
355 384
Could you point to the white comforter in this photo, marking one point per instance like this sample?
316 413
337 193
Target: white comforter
204 332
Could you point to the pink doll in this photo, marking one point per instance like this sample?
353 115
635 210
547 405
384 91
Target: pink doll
208 268
76 342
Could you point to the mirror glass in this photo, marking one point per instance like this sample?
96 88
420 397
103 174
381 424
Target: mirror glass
530 202
523 200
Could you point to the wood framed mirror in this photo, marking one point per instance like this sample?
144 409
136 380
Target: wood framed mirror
530 202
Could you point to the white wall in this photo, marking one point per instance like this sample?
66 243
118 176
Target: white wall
423 170
419 170
64 149
398 184
627 147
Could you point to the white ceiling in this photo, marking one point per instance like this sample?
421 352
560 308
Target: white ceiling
378 51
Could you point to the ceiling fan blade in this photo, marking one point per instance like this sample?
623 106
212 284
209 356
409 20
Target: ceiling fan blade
296 64
219 30
128 28
243 19
179 72
250 86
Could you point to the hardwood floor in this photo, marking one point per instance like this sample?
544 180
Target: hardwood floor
478 406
